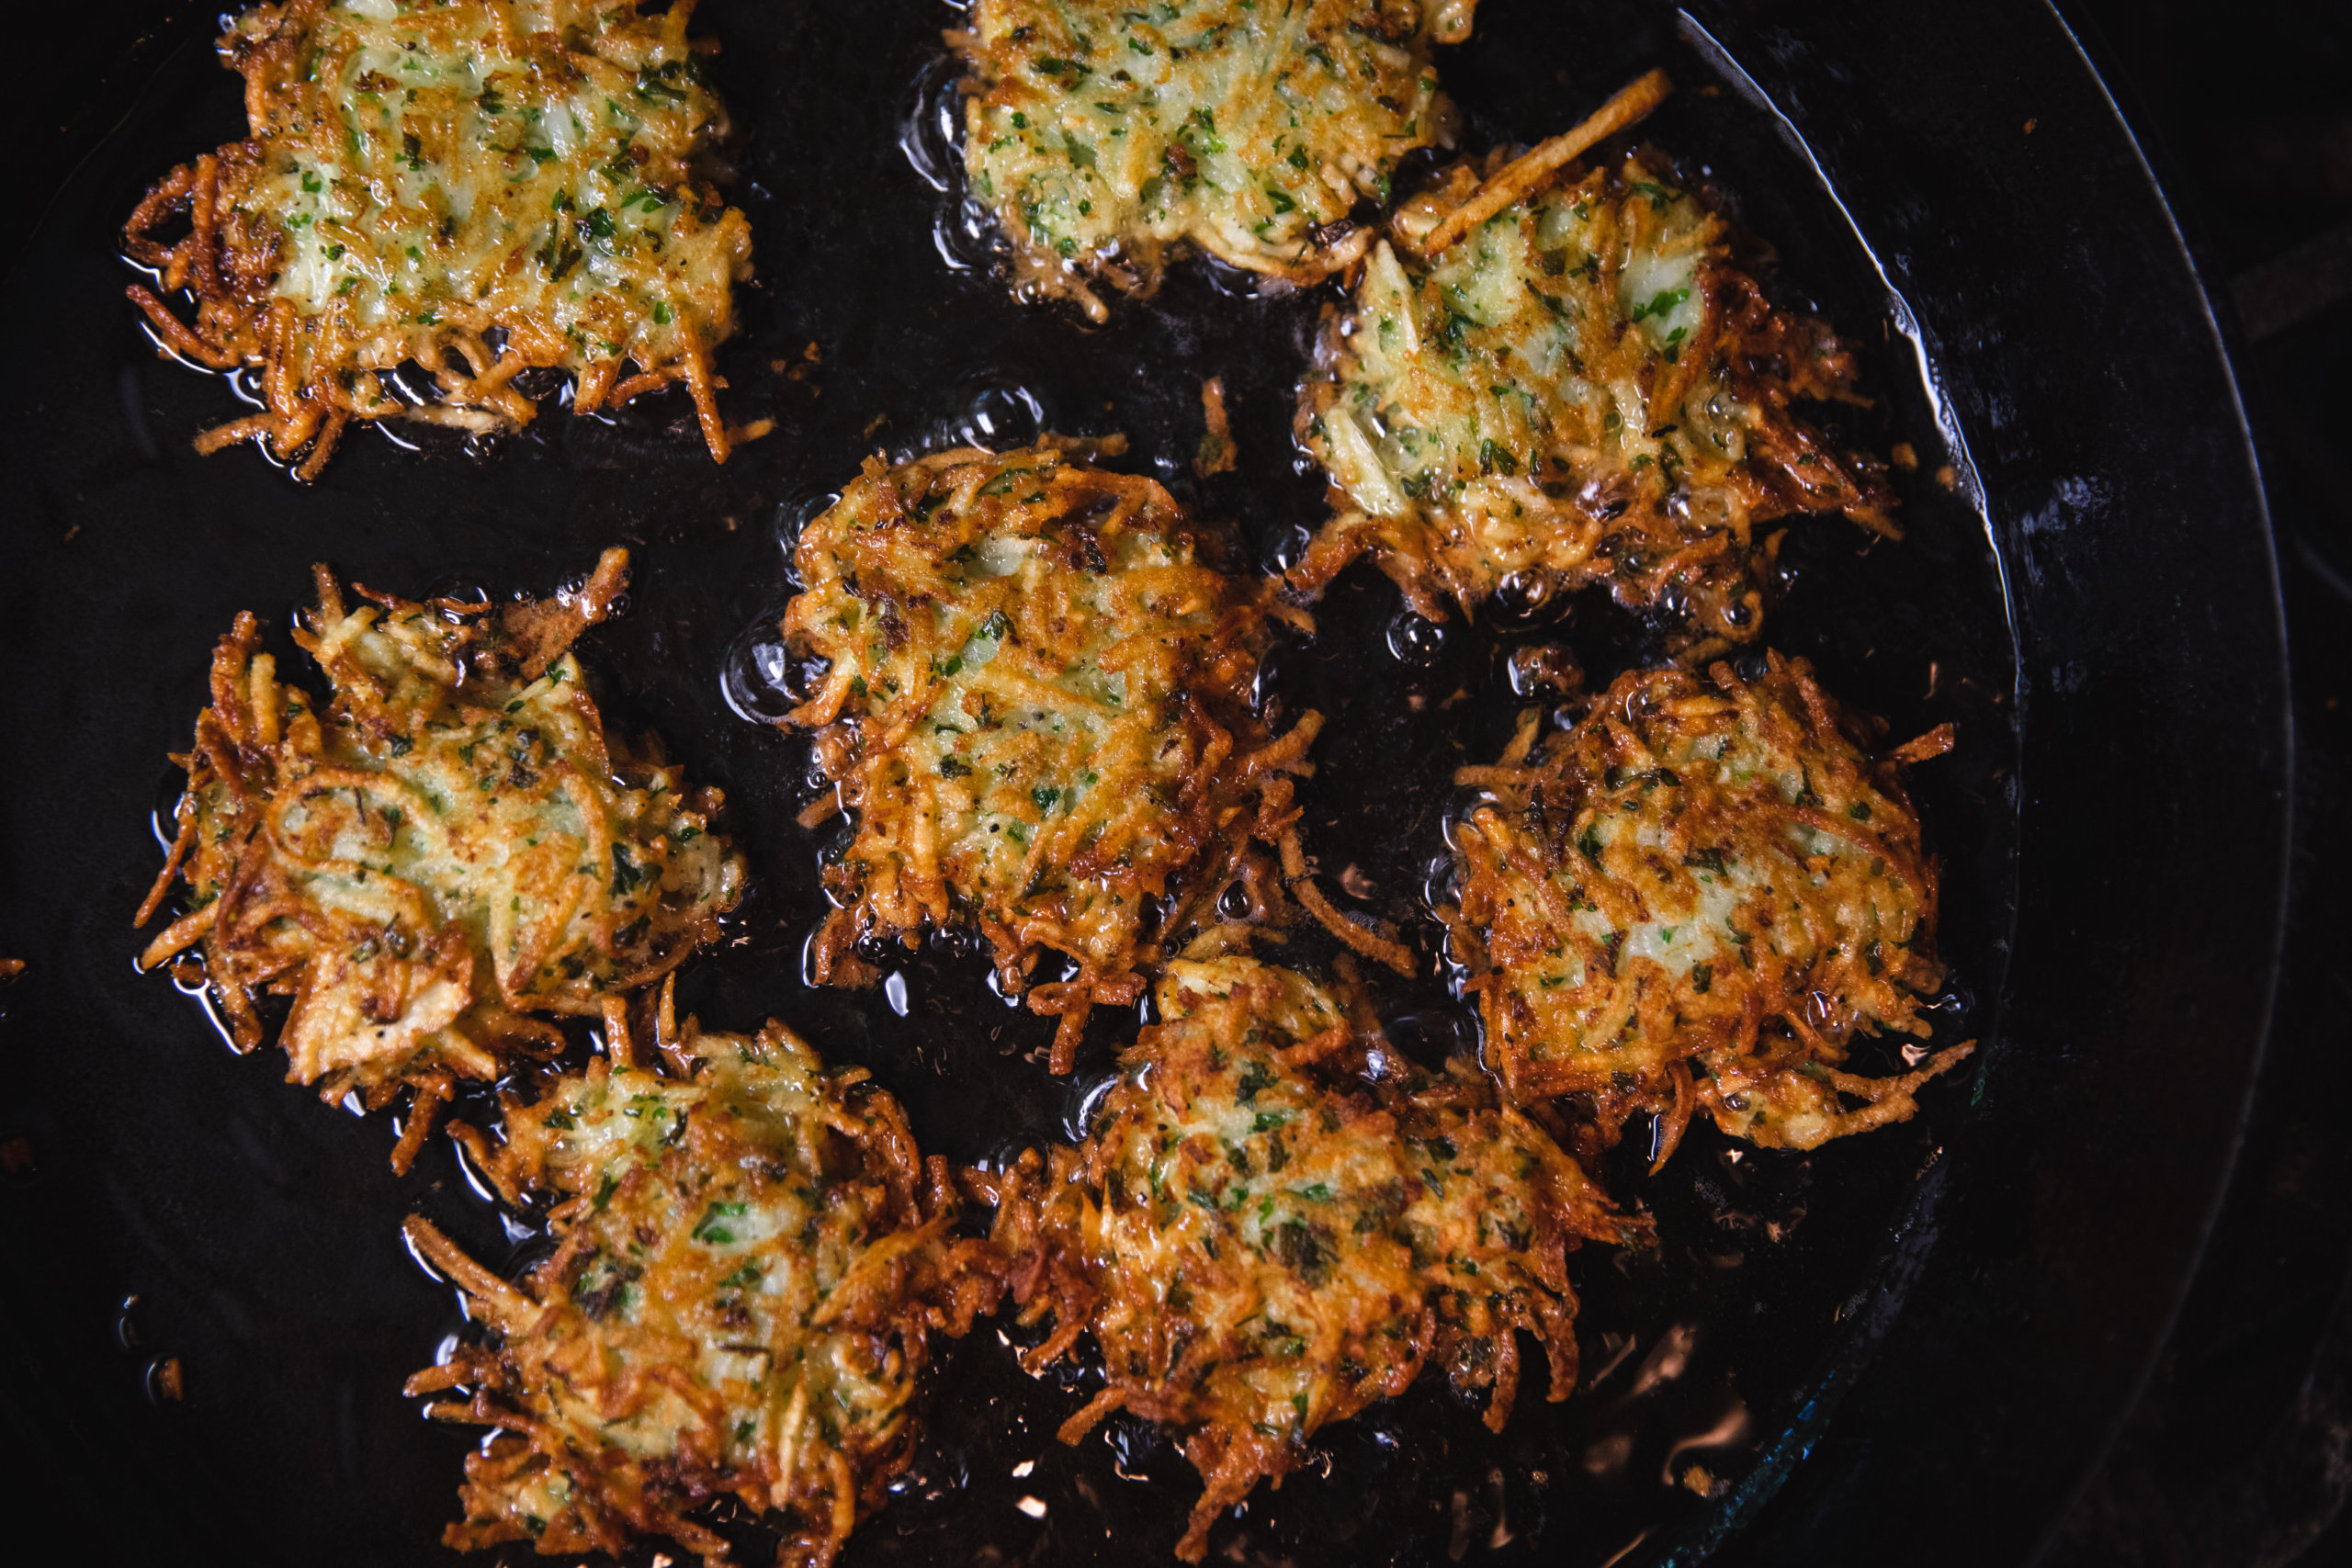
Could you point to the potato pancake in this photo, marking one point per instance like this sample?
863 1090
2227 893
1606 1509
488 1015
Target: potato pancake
748 1265
1264 1242
1100 134
478 186
444 852
1583 388
1693 899
1037 704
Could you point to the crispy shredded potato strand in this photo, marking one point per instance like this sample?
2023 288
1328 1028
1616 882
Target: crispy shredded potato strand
479 187
443 852
749 1263
1103 134
1037 703
1263 1242
1585 388
1693 900
1533 169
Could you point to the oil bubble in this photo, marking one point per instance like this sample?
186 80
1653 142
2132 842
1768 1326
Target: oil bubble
1431 1036
792 517
998 411
1461 804
965 237
1527 597
166 1381
1286 547
956 942
1543 667
1442 882
1416 643
928 134
1087 1103
759 677
446 594
1007 415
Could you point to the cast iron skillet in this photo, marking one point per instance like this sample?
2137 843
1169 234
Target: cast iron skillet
1907 1348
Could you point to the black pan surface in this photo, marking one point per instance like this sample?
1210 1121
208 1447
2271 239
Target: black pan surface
1912 1343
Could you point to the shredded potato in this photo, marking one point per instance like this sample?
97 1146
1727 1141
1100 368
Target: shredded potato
1262 1242
1693 900
748 1265
481 187
442 853
1583 388
1101 134
1037 702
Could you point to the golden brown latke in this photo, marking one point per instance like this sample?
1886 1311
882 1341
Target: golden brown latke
1262 1241
442 853
749 1263
481 187
1102 134
1038 705
1583 388
1693 899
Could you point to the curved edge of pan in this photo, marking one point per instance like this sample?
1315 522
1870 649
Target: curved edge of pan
1991 174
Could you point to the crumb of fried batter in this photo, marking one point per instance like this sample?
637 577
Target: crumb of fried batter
440 855
478 186
1037 702
1102 135
1263 1241
1585 388
750 1261
1214 454
1693 900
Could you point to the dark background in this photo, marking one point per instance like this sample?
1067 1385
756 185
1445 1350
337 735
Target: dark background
2241 1452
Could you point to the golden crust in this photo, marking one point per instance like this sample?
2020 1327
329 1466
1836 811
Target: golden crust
481 188
1693 899
1262 1242
438 857
1583 388
1037 703
1103 134
749 1266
